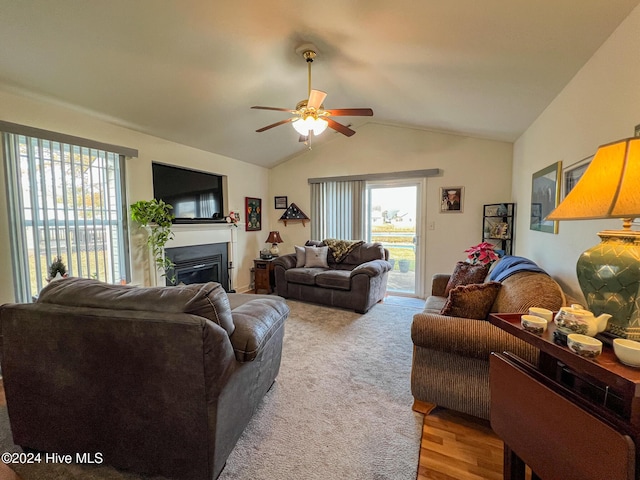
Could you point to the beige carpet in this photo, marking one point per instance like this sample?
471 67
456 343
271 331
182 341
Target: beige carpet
340 408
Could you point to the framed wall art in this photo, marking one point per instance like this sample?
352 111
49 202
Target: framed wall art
281 203
573 173
545 196
253 207
451 199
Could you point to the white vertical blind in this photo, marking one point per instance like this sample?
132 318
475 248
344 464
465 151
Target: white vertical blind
338 210
65 200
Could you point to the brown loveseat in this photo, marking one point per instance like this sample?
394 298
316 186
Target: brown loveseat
356 280
451 354
160 380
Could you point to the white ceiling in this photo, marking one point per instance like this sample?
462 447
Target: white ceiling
189 70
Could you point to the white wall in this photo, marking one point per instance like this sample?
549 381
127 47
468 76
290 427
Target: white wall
483 167
243 179
600 105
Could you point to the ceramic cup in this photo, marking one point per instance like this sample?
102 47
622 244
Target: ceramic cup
584 346
542 313
627 351
533 324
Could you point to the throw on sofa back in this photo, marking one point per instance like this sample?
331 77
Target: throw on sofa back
361 253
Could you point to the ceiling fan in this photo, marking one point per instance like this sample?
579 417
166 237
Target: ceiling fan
310 116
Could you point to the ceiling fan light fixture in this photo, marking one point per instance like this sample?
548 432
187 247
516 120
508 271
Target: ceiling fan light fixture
320 125
308 124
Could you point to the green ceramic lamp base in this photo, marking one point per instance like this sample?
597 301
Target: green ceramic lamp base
609 276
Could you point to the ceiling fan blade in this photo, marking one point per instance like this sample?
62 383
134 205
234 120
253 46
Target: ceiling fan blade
350 112
316 97
281 122
338 127
275 108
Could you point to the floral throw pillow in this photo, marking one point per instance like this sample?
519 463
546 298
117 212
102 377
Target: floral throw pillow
471 301
466 274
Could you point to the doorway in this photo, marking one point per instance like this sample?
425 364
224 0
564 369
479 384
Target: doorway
393 219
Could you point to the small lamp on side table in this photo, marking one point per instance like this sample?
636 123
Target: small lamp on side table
609 273
274 239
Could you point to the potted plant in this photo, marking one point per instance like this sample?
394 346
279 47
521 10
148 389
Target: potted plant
483 253
155 216
57 269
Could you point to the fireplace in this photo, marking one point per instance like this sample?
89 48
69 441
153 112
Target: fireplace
199 264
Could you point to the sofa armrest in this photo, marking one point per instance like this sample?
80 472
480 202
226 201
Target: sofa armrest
439 284
372 268
285 261
256 322
466 337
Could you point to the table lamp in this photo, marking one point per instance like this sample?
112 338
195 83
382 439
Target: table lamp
274 239
609 273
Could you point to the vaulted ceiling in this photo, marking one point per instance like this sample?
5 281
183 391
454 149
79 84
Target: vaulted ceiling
189 70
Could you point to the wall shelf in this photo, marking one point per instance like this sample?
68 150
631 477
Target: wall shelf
497 225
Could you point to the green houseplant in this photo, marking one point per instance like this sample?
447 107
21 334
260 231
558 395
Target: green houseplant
155 216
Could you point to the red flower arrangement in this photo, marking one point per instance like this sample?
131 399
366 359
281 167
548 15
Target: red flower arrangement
483 253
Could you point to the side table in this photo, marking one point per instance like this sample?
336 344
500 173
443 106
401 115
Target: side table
264 276
558 415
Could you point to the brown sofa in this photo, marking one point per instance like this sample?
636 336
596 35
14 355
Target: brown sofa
160 381
357 282
451 354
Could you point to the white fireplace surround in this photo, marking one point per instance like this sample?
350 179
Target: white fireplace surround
200 234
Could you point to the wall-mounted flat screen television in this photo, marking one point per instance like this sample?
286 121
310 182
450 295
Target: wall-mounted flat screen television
195 196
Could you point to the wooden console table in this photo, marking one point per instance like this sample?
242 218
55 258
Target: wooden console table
567 416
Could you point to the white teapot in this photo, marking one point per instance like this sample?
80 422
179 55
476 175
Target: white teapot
575 319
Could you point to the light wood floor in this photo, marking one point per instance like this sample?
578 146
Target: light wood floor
456 446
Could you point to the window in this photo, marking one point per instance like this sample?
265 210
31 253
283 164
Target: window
66 200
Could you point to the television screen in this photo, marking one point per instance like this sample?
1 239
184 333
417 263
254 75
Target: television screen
195 196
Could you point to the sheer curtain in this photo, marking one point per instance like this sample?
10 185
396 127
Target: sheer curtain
337 210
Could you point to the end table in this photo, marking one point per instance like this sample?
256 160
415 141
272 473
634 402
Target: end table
264 276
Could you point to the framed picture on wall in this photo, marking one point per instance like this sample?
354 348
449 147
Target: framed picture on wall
253 207
573 173
451 199
545 196
281 203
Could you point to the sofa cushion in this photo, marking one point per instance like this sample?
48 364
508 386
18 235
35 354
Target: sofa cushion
434 304
300 256
528 289
208 300
337 279
304 276
466 274
316 257
471 301
365 252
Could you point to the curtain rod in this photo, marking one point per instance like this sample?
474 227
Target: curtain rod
431 172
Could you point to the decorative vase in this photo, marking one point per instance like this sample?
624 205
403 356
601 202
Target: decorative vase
609 276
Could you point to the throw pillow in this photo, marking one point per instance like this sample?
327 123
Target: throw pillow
466 274
300 256
471 301
316 257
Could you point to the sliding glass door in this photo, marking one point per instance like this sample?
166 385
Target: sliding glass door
393 219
